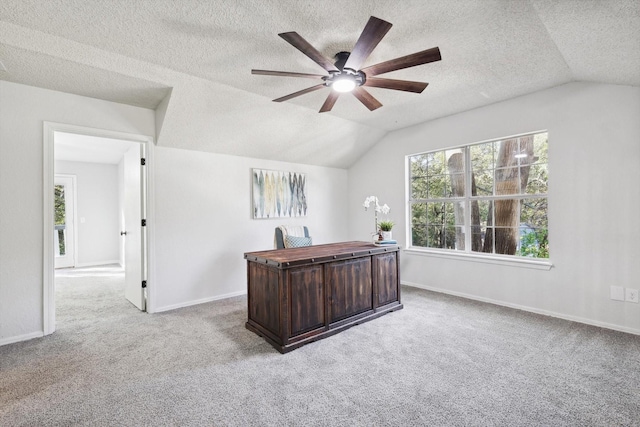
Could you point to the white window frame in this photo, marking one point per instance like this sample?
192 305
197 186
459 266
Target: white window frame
467 253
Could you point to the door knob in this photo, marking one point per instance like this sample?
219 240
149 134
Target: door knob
123 233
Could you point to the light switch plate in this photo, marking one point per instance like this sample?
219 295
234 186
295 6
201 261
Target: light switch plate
617 293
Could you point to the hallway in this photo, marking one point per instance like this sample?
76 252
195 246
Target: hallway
89 295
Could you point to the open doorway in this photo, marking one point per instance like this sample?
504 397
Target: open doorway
107 215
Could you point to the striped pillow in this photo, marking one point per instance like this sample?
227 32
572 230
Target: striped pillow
296 242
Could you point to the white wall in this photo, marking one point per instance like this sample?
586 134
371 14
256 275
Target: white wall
97 203
594 200
201 206
22 112
203 222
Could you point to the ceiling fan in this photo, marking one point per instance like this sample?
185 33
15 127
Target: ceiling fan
345 75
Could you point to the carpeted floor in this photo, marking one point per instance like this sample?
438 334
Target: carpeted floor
441 361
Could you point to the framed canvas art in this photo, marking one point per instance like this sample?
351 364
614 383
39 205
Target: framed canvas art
278 194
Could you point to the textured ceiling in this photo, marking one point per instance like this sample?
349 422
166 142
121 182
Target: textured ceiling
201 52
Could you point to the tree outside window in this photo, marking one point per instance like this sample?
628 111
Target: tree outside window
59 216
489 197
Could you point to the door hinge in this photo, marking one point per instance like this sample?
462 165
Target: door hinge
144 283
144 222
143 161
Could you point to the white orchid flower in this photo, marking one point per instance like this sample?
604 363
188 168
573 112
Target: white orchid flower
384 208
369 200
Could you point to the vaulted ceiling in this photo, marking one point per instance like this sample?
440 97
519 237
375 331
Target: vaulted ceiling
192 60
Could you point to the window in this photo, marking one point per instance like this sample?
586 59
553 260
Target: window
489 197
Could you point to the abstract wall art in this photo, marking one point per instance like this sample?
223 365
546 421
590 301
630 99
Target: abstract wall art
278 194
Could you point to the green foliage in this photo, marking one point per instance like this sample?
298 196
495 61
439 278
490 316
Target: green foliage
59 206
535 244
59 216
386 225
498 169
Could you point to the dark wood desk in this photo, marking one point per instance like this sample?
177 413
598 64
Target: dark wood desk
300 295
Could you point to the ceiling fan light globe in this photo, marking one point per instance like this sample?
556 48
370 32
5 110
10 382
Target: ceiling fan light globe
344 85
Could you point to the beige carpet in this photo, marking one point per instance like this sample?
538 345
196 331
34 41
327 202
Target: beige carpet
440 361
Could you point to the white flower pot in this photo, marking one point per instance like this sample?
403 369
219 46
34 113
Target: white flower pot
386 235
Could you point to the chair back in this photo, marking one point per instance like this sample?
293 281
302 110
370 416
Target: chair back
279 238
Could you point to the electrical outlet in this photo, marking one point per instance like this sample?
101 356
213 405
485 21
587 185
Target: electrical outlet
631 295
617 293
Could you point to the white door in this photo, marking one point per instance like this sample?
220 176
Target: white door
134 233
64 217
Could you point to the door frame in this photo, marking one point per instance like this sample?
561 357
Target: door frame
74 195
48 167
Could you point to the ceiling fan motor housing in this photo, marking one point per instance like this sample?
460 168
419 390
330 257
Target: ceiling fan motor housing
358 77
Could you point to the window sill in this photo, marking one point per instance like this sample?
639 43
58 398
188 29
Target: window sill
521 262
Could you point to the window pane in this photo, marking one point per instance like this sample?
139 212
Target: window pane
541 148
458 212
438 186
455 161
418 166
450 213
418 187
456 185
506 240
435 213
435 163
418 224
507 181
456 170
60 219
485 213
458 234
534 236
537 179
450 238
533 213
419 235
506 212
435 236
482 156
59 202
483 180
534 242
482 239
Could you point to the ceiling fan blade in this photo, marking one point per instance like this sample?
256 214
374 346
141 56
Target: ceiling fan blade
373 32
300 92
405 85
419 58
286 74
365 97
330 101
303 46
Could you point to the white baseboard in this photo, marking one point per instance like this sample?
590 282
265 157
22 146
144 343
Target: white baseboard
25 337
526 308
96 264
200 301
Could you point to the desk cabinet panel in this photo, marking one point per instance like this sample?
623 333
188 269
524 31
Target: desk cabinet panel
386 278
263 296
349 284
300 295
306 285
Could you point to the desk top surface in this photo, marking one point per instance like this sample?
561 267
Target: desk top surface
319 253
